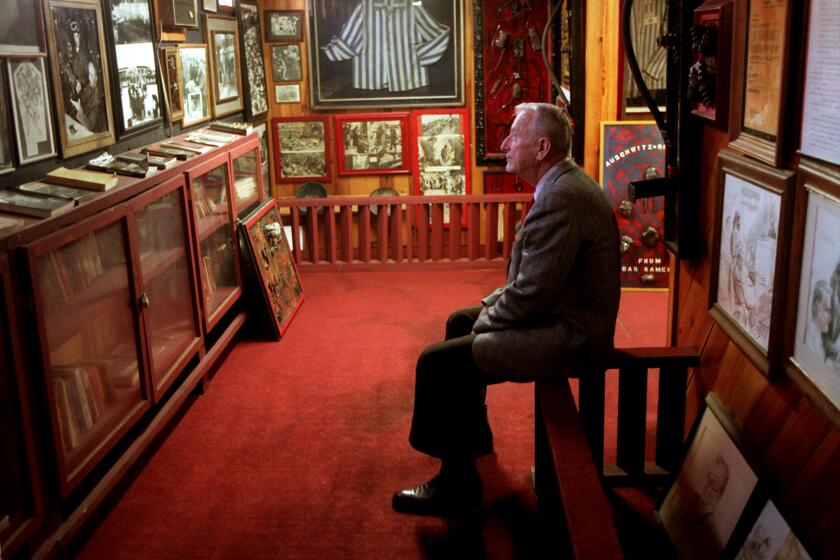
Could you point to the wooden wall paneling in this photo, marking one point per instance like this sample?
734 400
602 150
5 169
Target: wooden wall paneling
796 441
769 415
824 533
694 329
819 471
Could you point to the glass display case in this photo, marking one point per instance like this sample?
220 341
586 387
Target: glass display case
247 178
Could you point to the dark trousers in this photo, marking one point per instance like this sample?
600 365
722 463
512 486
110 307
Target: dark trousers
450 418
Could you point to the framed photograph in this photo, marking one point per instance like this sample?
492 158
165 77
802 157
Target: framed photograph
814 345
178 14
210 5
349 68
372 144
770 537
7 163
171 65
760 91
273 263
441 152
287 93
284 26
227 6
223 41
80 75
750 256
301 149
31 114
195 87
22 28
715 482
256 92
134 53
821 107
285 63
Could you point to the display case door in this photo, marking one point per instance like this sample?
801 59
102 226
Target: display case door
247 178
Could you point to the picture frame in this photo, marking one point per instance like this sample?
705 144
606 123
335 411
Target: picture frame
175 15
761 58
435 67
250 34
210 5
23 30
301 149
273 264
287 93
811 348
499 181
820 109
768 536
223 44
750 252
171 72
7 157
195 86
284 26
648 20
372 143
135 82
715 484
227 6
261 130
77 53
286 63
31 113
440 152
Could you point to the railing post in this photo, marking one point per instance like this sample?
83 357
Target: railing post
437 231
347 234
632 400
331 243
670 416
409 232
382 233
491 237
474 231
364 233
454 232
510 229
423 232
395 212
296 248
314 241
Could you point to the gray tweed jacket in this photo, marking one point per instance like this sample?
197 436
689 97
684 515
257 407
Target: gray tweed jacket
556 314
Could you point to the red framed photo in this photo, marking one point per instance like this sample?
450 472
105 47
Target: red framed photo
300 148
440 162
372 143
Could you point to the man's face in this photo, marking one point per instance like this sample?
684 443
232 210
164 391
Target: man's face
520 147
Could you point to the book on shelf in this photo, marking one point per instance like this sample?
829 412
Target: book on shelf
60 191
81 178
162 162
30 204
191 148
238 128
123 165
161 151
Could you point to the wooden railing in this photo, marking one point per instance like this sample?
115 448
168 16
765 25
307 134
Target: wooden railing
403 229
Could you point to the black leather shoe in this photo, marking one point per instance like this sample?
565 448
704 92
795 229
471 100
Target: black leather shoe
440 496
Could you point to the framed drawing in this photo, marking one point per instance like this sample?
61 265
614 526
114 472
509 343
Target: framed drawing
7 163
80 74
713 487
273 264
285 63
136 80
284 26
287 93
750 256
760 92
194 84
424 66
769 536
813 346
22 28
821 103
374 143
223 41
301 151
256 93
171 65
31 113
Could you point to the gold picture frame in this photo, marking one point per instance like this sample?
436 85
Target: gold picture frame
225 72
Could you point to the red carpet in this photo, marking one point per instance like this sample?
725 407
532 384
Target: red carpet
296 447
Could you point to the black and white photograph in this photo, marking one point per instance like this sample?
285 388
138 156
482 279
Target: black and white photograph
285 63
771 538
81 75
284 25
440 154
223 42
256 93
31 112
7 163
373 144
194 85
171 64
746 273
139 94
287 93
300 145
21 27
210 5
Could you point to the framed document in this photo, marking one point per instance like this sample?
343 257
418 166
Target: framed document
301 149
31 113
760 95
194 84
750 256
374 143
223 43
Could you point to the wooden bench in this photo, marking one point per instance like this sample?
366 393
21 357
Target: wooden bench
570 474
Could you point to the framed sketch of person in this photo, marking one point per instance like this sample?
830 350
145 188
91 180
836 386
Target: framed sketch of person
80 75
284 26
22 28
31 114
136 82
414 60
750 256
7 163
813 347
761 58
171 65
374 143
285 63
255 90
223 41
301 149
716 482
195 86
768 536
